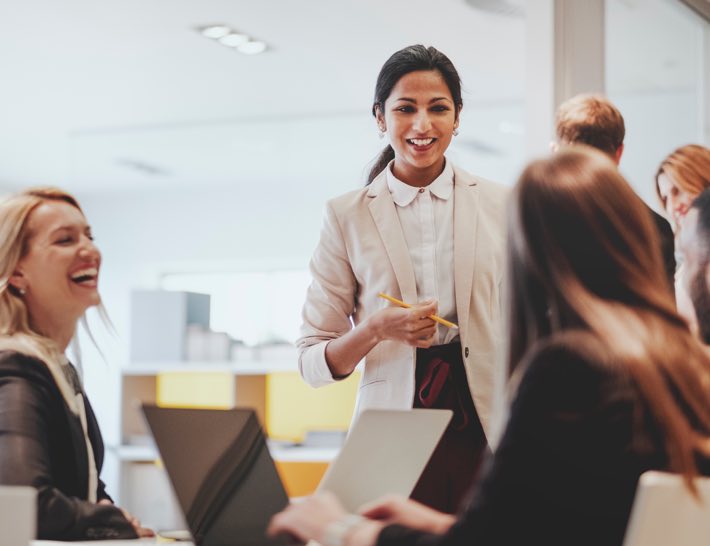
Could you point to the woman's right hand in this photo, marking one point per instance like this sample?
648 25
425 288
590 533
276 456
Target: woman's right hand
411 326
395 509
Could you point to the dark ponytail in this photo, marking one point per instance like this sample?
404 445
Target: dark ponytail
401 63
380 163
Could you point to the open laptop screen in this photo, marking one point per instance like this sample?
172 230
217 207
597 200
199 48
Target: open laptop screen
220 468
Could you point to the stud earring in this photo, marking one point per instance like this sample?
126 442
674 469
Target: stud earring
456 131
381 132
22 291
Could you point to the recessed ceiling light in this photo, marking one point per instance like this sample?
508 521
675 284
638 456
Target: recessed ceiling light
215 31
234 39
229 37
252 47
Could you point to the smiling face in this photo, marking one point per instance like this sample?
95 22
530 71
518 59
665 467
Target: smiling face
676 201
420 117
59 270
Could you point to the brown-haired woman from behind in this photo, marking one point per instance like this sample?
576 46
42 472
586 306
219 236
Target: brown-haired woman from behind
606 380
49 437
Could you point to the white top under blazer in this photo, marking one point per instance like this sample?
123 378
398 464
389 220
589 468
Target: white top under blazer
427 219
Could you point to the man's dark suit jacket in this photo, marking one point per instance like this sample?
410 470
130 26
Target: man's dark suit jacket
578 438
42 445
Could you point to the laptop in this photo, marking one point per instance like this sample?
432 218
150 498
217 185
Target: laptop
385 452
227 485
18 515
666 514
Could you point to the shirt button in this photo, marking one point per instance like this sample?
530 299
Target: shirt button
465 352
421 190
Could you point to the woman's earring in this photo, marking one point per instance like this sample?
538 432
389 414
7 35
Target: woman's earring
456 131
381 132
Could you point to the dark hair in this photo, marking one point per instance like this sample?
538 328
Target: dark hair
702 204
583 256
401 63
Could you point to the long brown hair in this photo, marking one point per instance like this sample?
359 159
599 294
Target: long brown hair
583 255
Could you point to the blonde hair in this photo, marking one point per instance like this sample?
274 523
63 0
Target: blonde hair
689 167
592 120
16 332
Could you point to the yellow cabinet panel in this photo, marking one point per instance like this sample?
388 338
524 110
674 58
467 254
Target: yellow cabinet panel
294 408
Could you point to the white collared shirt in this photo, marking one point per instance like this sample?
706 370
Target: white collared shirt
427 219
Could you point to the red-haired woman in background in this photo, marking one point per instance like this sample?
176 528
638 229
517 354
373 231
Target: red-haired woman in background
680 178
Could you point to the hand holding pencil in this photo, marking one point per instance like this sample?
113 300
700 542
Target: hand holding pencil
400 303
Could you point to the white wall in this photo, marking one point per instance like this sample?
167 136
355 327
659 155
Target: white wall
656 124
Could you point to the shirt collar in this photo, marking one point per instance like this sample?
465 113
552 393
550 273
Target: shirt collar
403 194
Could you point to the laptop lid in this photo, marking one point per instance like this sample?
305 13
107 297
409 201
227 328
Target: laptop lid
222 473
18 515
385 452
665 513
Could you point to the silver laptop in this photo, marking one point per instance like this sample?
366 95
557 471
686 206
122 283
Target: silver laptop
385 452
227 484
666 514
18 515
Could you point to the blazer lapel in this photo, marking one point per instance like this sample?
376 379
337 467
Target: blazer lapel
465 228
384 214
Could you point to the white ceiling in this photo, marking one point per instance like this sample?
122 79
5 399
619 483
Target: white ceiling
94 92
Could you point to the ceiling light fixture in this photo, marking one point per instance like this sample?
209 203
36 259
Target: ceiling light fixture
252 47
233 39
215 31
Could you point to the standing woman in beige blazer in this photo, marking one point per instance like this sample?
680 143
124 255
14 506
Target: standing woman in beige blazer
428 233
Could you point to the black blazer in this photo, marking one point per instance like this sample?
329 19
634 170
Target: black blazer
578 438
42 445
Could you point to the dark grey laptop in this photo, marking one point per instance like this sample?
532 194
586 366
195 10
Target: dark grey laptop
223 475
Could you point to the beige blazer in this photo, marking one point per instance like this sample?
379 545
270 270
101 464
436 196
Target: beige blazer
362 251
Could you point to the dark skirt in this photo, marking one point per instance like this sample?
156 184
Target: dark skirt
441 384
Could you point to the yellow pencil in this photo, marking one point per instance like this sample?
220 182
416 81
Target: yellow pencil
435 318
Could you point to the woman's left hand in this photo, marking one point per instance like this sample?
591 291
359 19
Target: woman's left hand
307 519
142 532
